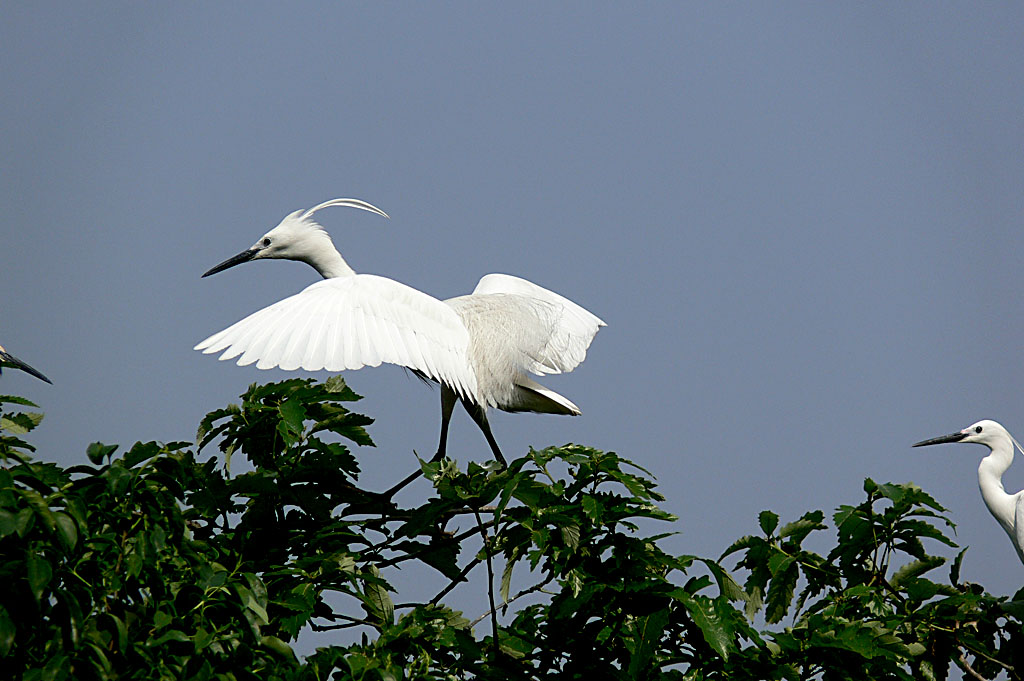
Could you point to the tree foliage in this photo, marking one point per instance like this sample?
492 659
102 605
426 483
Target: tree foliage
159 562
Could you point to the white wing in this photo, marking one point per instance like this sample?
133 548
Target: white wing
352 322
571 328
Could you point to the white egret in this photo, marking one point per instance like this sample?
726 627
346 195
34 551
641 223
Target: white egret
1008 509
479 347
9 360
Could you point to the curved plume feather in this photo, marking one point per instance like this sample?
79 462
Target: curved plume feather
1016 443
348 203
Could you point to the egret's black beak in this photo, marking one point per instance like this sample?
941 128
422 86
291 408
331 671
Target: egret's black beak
244 256
7 359
952 437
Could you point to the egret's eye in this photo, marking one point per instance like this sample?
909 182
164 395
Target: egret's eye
978 429
266 242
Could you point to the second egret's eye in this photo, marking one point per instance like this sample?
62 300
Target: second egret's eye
978 429
266 242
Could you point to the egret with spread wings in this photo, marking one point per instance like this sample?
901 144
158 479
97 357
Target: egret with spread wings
478 347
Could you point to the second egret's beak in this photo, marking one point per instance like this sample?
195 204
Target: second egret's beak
7 359
244 256
952 437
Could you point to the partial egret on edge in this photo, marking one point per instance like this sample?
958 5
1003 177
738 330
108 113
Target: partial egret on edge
1007 508
7 359
478 347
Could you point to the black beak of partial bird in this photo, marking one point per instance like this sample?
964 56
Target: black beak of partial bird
244 256
10 360
952 437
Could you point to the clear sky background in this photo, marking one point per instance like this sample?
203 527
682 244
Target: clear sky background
802 222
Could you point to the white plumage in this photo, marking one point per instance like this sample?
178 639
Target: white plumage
479 347
1006 508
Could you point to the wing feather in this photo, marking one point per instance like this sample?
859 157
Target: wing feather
349 323
298 340
569 327
313 354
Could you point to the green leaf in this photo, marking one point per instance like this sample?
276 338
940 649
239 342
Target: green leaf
726 584
712 628
75 622
39 506
161 619
14 399
768 521
646 633
592 507
121 631
783 585
98 451
571 536
251 603
20 423
7 632
916 568
140 451
293 413
171 635
66 530
376 599
798 530
38 572
506 580
21 522
954 569
278 646
57 668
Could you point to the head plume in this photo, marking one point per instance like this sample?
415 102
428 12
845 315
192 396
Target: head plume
348 203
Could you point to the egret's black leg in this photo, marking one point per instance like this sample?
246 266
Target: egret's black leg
448 398
480 417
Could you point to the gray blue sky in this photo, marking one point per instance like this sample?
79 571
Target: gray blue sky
802 223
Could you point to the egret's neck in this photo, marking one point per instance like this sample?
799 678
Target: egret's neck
990 480
330 267
326 260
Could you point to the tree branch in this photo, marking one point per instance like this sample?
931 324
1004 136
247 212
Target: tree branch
427 549
525 592
349 622
1007 667
459 579
490 582
968 669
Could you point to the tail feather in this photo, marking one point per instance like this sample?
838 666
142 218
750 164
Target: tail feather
532 396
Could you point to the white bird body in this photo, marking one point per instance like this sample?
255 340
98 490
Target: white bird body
1006 508
479 347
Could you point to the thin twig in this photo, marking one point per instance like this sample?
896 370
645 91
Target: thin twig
979 653
525 592
455 582
348 624
964 665
427 549
447 515
490 583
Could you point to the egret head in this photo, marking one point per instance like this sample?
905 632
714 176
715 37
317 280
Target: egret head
983 432
9 360
297 237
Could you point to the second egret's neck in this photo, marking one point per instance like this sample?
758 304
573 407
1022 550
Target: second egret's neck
326 260
990 480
